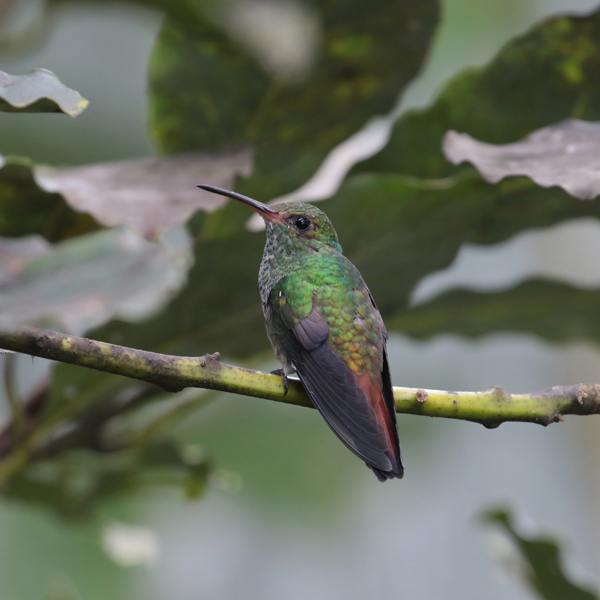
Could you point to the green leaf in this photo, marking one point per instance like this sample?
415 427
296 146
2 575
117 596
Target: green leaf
398 229
77 484
542 568
84 282
39 91
211 90
544 76
554 311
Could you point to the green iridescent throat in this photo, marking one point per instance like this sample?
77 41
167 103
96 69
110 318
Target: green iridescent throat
289 249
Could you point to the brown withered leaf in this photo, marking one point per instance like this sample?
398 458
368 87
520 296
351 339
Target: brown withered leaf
566 154
148 194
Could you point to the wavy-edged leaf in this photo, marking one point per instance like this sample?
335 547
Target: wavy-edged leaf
565 154
541 565
554 311
86 281
547 75
39 91
398 229
209 90
150 195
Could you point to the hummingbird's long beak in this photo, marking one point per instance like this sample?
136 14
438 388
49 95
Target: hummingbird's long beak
262 209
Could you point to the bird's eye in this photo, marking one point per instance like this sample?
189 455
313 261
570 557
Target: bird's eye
302 223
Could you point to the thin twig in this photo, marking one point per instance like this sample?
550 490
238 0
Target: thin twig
16 408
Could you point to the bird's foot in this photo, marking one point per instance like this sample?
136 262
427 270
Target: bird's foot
284 379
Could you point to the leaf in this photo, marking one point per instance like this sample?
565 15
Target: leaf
554 311
209 90
542 568
398 229
565 154
150 195
14 254
540 78
27 208
86 281
39 91
81 481
219 309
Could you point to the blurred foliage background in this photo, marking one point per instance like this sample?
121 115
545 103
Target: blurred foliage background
218 496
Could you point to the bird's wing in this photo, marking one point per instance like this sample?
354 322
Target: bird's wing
332 385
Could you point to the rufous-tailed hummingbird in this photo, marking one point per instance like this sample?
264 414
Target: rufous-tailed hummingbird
323 323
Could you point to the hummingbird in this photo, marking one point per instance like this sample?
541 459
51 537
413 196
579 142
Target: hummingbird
323 324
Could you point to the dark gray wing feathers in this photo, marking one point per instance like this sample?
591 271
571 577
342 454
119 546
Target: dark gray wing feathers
332 387
311 331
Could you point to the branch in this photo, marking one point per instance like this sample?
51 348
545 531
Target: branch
174 373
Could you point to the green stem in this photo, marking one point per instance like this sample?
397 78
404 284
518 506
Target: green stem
174 373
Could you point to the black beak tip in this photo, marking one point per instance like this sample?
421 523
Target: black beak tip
263 209
211 188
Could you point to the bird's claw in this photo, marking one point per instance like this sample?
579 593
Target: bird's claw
284 379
